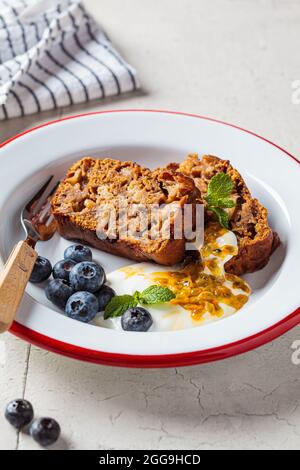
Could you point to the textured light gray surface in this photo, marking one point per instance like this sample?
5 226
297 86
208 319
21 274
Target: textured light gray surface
230 59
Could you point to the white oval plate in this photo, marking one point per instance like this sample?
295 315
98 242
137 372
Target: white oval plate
155 138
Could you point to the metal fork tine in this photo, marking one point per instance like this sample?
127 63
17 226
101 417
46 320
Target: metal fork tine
43 207
36 217
38 196
53 189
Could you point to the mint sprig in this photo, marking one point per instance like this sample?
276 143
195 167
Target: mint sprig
152 295
219 189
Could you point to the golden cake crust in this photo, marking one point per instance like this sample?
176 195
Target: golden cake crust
91 183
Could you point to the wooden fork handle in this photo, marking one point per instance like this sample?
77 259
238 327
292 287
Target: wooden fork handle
13 281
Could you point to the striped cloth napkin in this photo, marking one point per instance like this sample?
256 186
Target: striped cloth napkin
53 54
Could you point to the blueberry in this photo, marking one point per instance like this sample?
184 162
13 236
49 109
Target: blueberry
78 253
82 306
19 412
41 270
136 319
61 270
45 431
58 291
87 276
104 295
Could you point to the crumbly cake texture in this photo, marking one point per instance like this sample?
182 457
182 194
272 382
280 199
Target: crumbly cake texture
248 219
91 184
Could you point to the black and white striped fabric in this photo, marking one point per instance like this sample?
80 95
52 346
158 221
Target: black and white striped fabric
53 54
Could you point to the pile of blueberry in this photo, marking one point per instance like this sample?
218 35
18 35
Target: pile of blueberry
19 413
77 286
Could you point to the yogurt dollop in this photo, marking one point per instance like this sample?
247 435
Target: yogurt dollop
204 291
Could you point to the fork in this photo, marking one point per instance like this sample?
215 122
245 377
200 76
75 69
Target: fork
39 224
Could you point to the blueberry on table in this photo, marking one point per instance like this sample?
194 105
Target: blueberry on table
136 319
45 431
61 270
41 270
58 292
104 295
78 253
19 412
82 306
87 276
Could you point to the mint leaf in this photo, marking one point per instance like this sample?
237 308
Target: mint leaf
152 295
222 216
219 202
137 296
220 187
225 203
211 200
118 305
156 294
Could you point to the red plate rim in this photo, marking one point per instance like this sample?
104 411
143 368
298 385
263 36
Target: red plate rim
163 360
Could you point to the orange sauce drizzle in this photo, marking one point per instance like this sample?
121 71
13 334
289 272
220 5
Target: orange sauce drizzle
130 271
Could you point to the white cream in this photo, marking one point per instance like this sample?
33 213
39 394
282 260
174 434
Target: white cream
166 317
